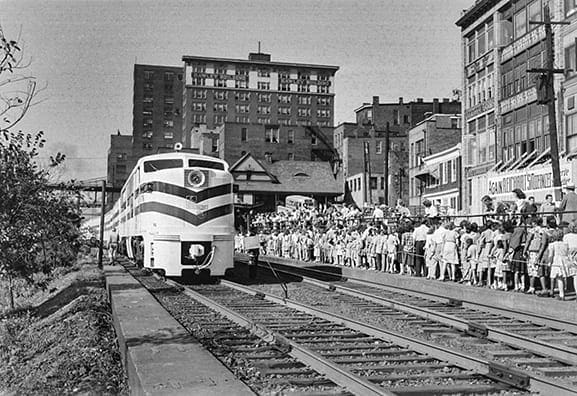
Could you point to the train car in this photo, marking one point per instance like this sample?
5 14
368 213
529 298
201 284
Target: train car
175 215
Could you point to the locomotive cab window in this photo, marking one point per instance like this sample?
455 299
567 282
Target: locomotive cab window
156 165
205 164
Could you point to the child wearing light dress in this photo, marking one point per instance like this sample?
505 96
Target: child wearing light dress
558 259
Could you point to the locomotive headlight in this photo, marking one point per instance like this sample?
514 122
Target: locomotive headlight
196 178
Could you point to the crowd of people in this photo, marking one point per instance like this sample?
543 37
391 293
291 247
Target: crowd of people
515 248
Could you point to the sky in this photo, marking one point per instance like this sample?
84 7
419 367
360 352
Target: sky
82 52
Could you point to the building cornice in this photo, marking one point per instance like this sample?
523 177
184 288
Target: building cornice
187 58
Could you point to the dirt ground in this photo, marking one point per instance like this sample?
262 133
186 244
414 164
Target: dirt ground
63 341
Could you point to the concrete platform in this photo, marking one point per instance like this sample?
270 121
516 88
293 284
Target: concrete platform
546 306
159 355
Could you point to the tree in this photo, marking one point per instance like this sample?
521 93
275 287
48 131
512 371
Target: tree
37 223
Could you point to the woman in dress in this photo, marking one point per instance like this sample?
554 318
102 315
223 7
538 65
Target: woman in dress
450 258
571 239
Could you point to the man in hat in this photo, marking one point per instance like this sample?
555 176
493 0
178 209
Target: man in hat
569 204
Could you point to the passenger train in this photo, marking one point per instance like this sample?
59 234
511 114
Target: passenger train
175 215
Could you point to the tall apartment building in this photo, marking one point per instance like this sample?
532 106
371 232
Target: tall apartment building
505 129
257 91
157 108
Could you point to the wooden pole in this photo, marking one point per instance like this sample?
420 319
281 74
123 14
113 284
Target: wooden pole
386 164
102 209
554 143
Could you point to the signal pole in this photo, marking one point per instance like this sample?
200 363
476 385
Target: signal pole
546 95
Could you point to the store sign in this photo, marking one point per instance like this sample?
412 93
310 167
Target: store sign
480 64
526 180
479 109
521 99
528 40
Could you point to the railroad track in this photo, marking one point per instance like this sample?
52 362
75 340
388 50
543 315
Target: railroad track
504 339
334 354
266 365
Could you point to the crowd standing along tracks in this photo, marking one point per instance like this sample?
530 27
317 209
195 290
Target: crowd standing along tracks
543 351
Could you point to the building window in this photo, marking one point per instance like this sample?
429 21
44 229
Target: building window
303 87
314 140
323 101
284 121
147 99
284 87
323 89
284 99
147 146
220 70
168 135
199 94
240 84
200 81
263 85
263 120
219 119
241 72
271 135
263 72
571 125
263 110
168 123
220 83
520 21
220 95
198 106
198 68
147 122
291 136
168 100
242 96
304 100
304 112
220 108
199 118
242 119
379 147
284 110
264 97
147 135
291 156
148 75
405 119
243 134
168 76
148 86
323 113
242 108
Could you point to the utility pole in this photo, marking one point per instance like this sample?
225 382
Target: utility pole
367 157
546 95
386 165
102 210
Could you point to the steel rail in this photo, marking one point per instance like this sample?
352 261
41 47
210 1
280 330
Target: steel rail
490 369
561 353
334 372
543 320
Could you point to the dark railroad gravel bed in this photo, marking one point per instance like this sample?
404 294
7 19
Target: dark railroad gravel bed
368 312
400 369
266 369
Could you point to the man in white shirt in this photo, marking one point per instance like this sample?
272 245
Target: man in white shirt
420 237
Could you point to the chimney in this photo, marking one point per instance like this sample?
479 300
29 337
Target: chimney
419 100
445 100
400 100
375 100
435 105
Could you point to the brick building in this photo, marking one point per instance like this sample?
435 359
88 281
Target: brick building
157 111
374 122
120 161
505 129
429 170
257 91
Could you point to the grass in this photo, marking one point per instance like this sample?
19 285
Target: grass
60 340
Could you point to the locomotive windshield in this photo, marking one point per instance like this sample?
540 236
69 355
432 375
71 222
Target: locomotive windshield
193 163
156 165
